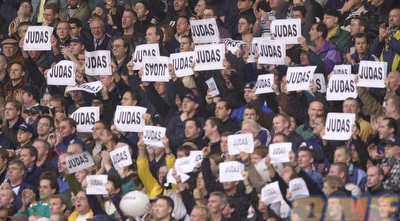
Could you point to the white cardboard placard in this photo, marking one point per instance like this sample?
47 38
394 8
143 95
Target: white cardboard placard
232 45
271 51
96 184
204 30
141 51
338 126
240 143
79 161
98 62
271 193
129 118
298 187
63 73
279 152
213 87
341 87
230 171
91 87
155 69
182 63
85 118
38 38
342 69
209 57
319 80
121 157
264 84
299 78
288 30
372 74
185 164
152 135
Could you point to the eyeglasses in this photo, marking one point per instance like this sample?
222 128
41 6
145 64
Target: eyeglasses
116 46
43 124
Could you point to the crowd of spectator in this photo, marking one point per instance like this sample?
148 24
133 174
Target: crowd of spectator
38 134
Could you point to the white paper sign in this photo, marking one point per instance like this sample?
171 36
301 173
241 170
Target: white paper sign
121 156
85 118
209 57
185 164
342 69
240 143
98 62
287 30
319 80
96 184
213 87
155 69
37 38
141 51
63 73
182 63
204 30
171 179
298 187
252 51
230 171
279 152
271 193
152 135
262 169
341 87
299 78
92 87
79 162
264 84
232 45
338 126
129 118
197 156
271 51
372 74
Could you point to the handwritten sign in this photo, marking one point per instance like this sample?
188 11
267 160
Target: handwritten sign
279 152
79 161
341 87
129 118
141 51
37 38
121 156
372 74
264 83
209 57
271 193
338 126
288 30
240 143
182 63
319 80
152 135
271 51
204 30
92 87
230 171
299 78
213 87
85 118
298 188
155 69
96 184
98 62
342 69
63 73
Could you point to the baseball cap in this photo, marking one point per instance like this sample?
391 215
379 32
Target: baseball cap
250 85
77 39
193 97
394 141
26 128
32 89
32 110
9 41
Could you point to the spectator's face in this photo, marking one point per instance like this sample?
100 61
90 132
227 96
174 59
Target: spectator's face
224 144
191 131
11 113
314 34
161 88
23 136
118 49
391 150
77 96
188 105
330 21
334 171
373 177
162 172
66 129
355 27
244 27
351 107
14 172
97 29
42 152
250 114
200 7
81 203
208 13
127 20
248 95
208 129
16 72
180 5
214 204
76 48
247 128
5 197
287 172
73 3
97 131
151 37
221 112
255 158
318 126
316 108
45 190
185 45
384 131
297 14
63 29
340 156
243 5
278 139
62 161
10 50
26 158
196 215
57 105
81 175
50 17
200 181
25 8
127 99
274 4
327 189
393 79
279 125
106 80
182 26
161 209
75 30
361 45
386 206
56 206
140 10
304 159
394 19
293 124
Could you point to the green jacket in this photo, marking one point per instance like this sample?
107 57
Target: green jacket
341 39
40 208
